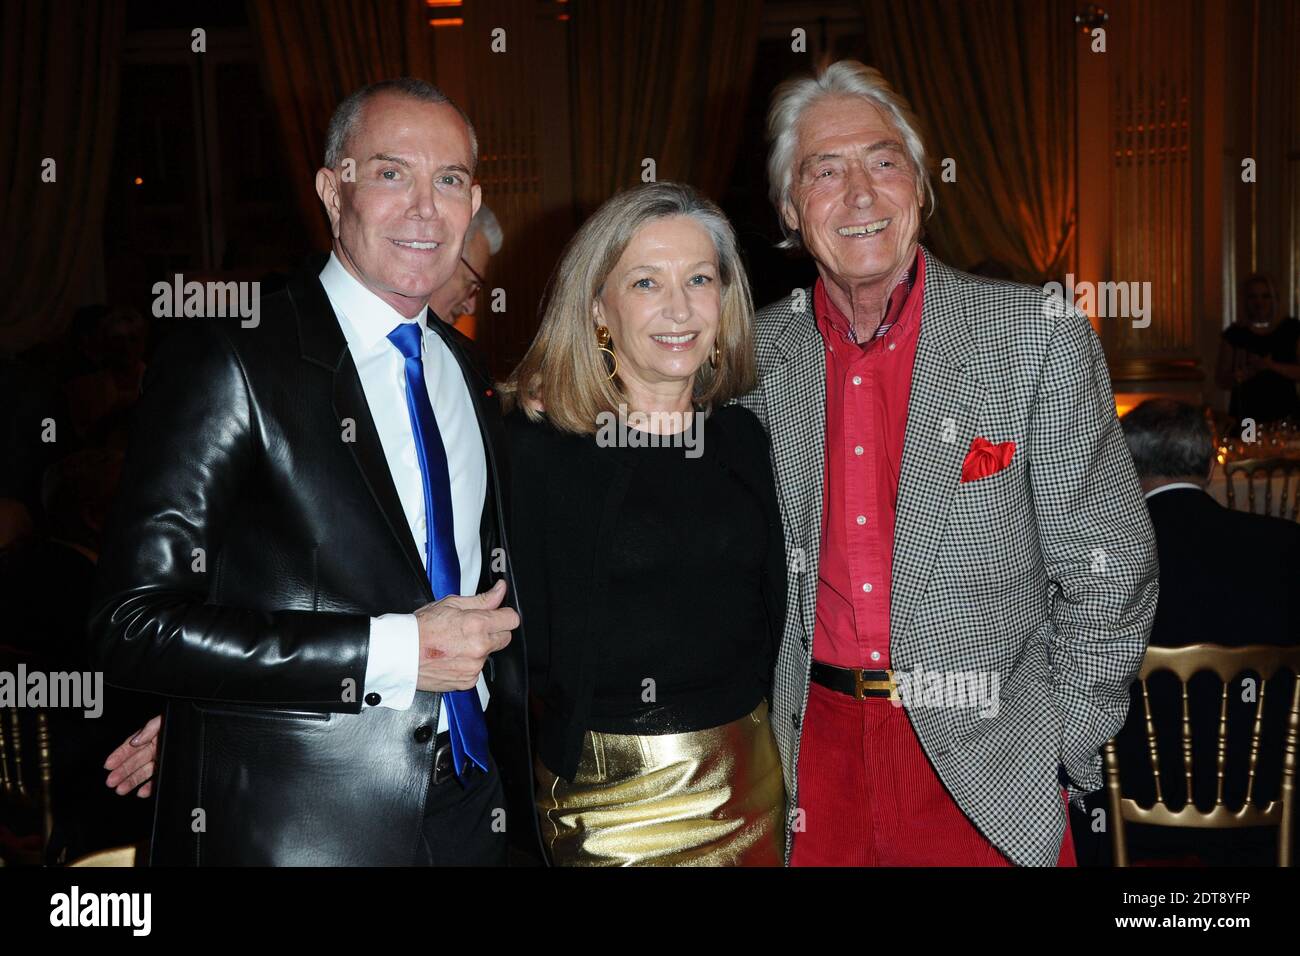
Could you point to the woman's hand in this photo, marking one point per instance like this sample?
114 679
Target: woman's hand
133 763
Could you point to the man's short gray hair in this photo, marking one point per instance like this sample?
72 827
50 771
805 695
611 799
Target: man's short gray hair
1168 439
842 78
485 221
348 113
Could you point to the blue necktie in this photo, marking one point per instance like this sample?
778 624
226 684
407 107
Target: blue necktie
465 720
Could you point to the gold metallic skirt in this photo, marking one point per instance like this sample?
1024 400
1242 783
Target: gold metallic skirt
710 797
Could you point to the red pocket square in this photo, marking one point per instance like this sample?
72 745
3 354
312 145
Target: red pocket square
986 458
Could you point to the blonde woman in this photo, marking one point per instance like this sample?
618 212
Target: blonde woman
648 546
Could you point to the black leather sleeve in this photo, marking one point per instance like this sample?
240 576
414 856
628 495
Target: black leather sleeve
154 625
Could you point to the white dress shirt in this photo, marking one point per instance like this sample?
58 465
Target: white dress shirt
393 663
1170 487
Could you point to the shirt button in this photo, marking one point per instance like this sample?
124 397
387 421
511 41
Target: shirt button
373 699
891 346
867 587
858 450
862 519
857 380
875 655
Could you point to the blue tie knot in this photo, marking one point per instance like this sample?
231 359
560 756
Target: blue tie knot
407 339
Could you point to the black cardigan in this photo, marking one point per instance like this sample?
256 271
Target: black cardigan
566 495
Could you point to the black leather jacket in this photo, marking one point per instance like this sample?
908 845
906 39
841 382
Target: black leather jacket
256 532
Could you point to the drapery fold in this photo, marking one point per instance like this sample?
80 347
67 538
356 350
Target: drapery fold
661 80
994 84
60 69
314 54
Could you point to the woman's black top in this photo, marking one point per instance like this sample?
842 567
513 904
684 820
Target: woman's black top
651 580
1266 396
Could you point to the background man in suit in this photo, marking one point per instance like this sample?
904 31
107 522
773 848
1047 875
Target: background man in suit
305 502
960 512
456 301
1226 577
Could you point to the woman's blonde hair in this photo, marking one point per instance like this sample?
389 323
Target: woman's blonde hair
563 369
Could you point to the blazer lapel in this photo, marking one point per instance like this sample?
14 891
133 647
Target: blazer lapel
942 415
323 344
796 390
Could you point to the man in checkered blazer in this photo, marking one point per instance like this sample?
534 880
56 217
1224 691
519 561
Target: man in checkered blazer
972 572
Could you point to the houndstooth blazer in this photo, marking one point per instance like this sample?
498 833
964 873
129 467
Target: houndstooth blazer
1043 574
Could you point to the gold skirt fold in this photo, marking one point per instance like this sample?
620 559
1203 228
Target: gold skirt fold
710 797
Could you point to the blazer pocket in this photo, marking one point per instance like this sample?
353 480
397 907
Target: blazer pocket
996 479
261 713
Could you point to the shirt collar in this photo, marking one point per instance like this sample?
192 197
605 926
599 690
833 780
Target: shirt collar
895 308
366 318
1170 487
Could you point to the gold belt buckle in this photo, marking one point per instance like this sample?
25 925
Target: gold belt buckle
860 685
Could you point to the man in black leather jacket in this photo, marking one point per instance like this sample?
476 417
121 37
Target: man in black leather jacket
266 568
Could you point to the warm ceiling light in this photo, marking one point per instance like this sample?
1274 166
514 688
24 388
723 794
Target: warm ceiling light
447 22
139 181
442 3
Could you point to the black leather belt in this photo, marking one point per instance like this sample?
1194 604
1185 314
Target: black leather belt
444 767
855 682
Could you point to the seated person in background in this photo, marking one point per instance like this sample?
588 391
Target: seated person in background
456 300
1259 357
1226 577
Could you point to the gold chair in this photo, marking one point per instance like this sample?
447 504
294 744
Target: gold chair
25 786
1226 663
1287 468
118 857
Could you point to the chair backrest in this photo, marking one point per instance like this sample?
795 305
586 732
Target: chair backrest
1287 470
26 778
1226 663
119 856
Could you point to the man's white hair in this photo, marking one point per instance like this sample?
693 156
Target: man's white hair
485 221
842 78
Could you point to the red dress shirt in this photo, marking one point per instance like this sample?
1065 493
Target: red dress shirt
867 390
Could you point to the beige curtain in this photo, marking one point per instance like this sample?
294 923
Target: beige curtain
661 80
60 70
993 81
313 55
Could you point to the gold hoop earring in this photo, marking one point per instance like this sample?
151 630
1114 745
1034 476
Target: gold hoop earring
602 345
715 357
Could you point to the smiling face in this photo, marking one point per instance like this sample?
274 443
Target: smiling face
854 196
662 305
1259 303
400 226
